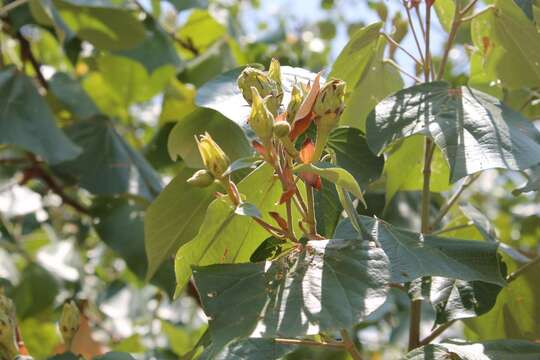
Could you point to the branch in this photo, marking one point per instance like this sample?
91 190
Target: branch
302 342
513 276
468 181
26 54
401 70
438 331
397 45
349 345
413 30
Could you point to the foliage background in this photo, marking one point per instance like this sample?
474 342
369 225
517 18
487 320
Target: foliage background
134 69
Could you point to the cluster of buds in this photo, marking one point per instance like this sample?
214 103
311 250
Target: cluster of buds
8 342
69 323
214 159
268 85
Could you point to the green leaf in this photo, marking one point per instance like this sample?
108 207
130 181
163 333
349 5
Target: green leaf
36 291
328 209
369 79
178 101
156 50
455 299
27 122
40 337
268 250
226 134
113 355
509 44
225 237
527 7
108 165
201 30
354 155
247 209
64 356
119 224
475 131
259 349
174 218
404 166
335 175
488 350
332 285
515 314
104 26
413 255
445 10
533 182
181 5
223 95
70 93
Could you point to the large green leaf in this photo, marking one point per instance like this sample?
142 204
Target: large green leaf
119 223
354 155
331 284
201 30
108 165
457 299
225 237
368 78
533 181
71 94
509 43
475 131
27 122
516 314
226 134
222 93
489 350
404 165
156 50
101 24
413 255
248 349
174 218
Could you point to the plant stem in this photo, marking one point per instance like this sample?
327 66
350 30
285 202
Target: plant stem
349 345
413 30
312 222
456 22
302 342
438 331
468 181
290 221
513 276
8 7
397 45
427 63
26 54
452 228
401 70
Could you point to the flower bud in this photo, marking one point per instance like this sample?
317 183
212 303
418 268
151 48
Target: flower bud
8 342
330 103
69 322
213 157
281 129
258 79
201 178
261 119
294 104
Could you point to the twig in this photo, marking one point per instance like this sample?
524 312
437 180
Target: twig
513 276
26 54
438 331
413 30
452 228
456 22
397 45
349 345
311 209
427 63
400 69
467 8
468 181
8 7
303 342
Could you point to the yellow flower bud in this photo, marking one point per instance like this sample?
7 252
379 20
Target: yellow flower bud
297 96
69 322
330 103
8 342
258 79
213 157
201 178
261 119
282 129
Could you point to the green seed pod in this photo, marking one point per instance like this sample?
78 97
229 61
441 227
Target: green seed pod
281 129
69 322
202 178
330 103
258 79
261 119
8 344
297 97
213 157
